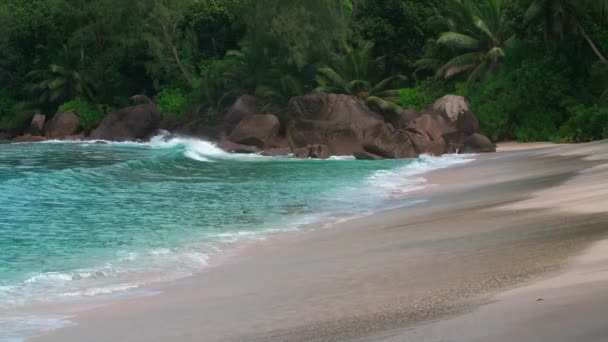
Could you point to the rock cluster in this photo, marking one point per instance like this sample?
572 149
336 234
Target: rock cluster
320 125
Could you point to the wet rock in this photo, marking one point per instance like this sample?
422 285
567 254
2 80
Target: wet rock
37 124
259 130
62 125
28 138
277 152
344 125
244 106
129 124
366 156
477 143
314 151
233 147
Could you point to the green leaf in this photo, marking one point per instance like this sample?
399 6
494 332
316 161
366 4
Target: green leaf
458 41
387 82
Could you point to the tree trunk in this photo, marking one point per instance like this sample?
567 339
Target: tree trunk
179 63
355 9
593 46
174 51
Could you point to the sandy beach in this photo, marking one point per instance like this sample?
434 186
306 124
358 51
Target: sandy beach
509 247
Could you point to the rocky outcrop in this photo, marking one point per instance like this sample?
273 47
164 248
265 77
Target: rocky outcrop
259 130
345 126
340 122
232 147
37 125
366 156
277 152
28 138
62 125
389 143
427 135
131 123
244 106
316 151
456 120
477 143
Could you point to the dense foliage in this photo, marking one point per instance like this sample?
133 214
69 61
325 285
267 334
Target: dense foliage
532 69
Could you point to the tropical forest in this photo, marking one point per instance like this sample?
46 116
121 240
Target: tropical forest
532 70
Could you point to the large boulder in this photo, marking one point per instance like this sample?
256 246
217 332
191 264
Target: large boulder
344 125
232 147
131 123
259 130
62 125
37 125
389 143
456 120
404 117
477 143
427 135
244 106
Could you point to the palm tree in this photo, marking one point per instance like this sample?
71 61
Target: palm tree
61 81
479 33
357 73
560 17
272 80
59 84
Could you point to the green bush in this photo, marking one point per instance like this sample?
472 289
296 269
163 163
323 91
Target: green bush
538 126
171 102
526 100
414 98
12 116
90 115
585 124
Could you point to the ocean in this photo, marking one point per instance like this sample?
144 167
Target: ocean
84 220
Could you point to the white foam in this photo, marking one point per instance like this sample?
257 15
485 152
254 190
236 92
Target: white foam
409 178
18 329
49 277
342 158
95 291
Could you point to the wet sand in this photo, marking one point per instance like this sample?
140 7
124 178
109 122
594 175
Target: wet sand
469 264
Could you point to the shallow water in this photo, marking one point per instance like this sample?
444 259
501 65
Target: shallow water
85 219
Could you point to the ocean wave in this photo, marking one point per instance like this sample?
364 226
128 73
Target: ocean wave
104 290
410 177
351 193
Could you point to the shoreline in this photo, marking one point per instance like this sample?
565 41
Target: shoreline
339 267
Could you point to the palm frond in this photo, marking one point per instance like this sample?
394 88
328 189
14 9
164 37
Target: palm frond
458 41
478 72
387 82
329 77
381 105
534 11
460 64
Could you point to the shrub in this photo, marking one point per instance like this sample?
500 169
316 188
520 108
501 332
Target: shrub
171 102
12 115
585 124
525 101
414 98
90 115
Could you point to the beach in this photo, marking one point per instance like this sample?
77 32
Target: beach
505 248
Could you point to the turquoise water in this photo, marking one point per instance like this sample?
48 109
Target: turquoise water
86 219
